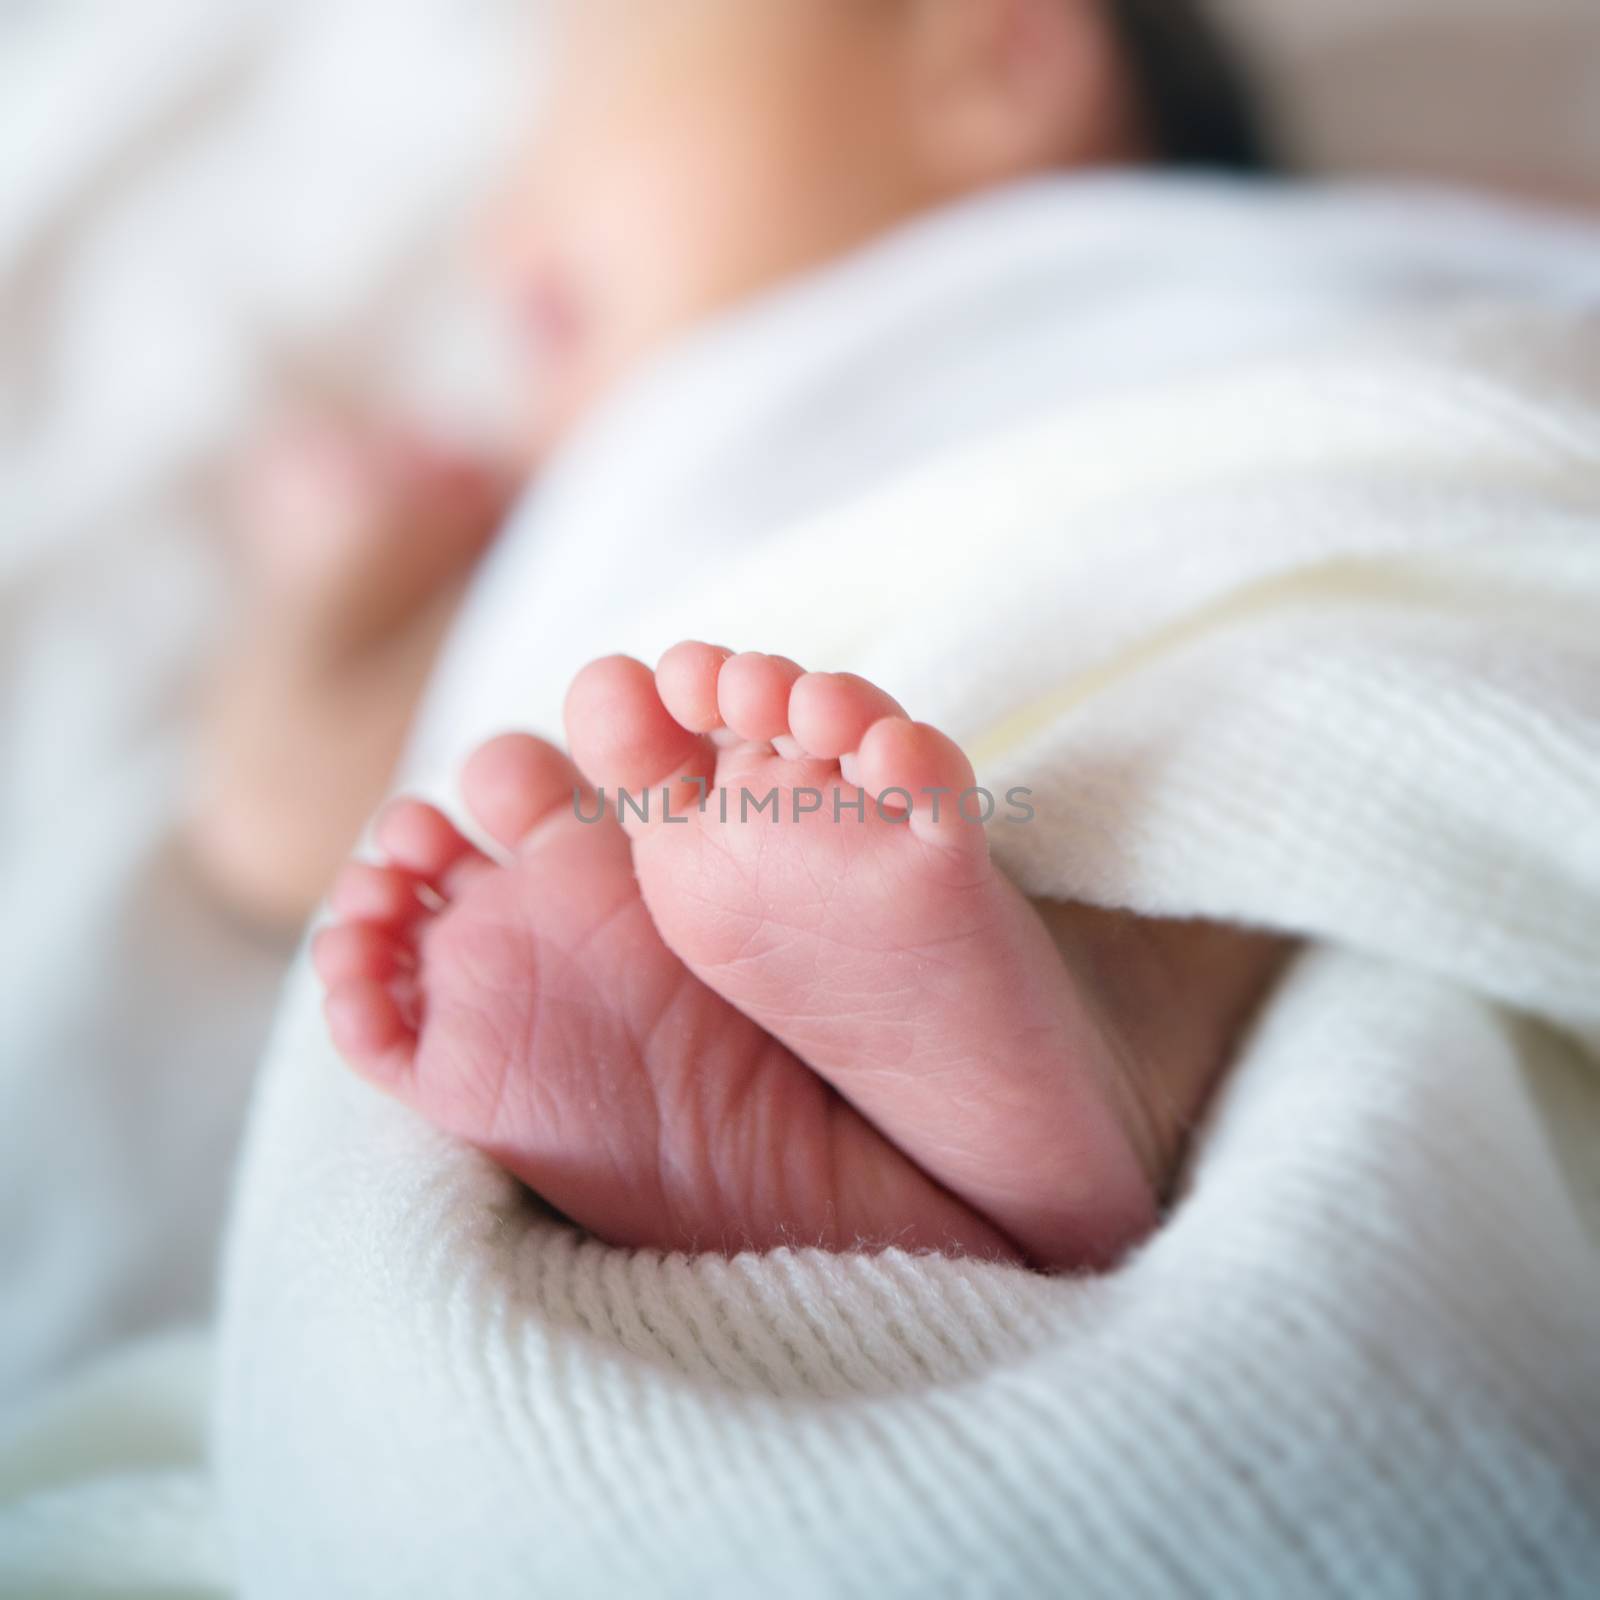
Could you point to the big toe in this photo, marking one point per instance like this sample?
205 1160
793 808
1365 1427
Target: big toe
624 738
515 782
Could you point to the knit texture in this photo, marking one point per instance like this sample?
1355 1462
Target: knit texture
1311 646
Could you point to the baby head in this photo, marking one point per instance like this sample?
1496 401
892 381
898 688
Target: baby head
693 152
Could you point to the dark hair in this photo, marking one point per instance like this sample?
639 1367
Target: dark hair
1198 100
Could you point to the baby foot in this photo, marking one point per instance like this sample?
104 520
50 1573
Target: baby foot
883 948
530 1007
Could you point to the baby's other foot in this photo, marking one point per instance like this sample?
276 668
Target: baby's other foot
880 944
529 1006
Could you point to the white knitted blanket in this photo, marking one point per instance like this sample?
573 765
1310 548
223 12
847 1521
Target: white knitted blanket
1313 646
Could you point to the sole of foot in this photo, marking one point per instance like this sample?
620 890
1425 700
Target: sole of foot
525 1002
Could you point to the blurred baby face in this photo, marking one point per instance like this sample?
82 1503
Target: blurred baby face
691 152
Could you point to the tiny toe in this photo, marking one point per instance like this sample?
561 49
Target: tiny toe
625 740
369 1028
511 784
830 712
753 694
421 839
346 950
929 774
384 895
686 679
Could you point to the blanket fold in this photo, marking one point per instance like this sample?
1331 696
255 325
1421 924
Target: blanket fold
1308 645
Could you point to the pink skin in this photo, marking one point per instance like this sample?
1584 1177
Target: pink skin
782 1017
351 523
356 538
888 953
530 1007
